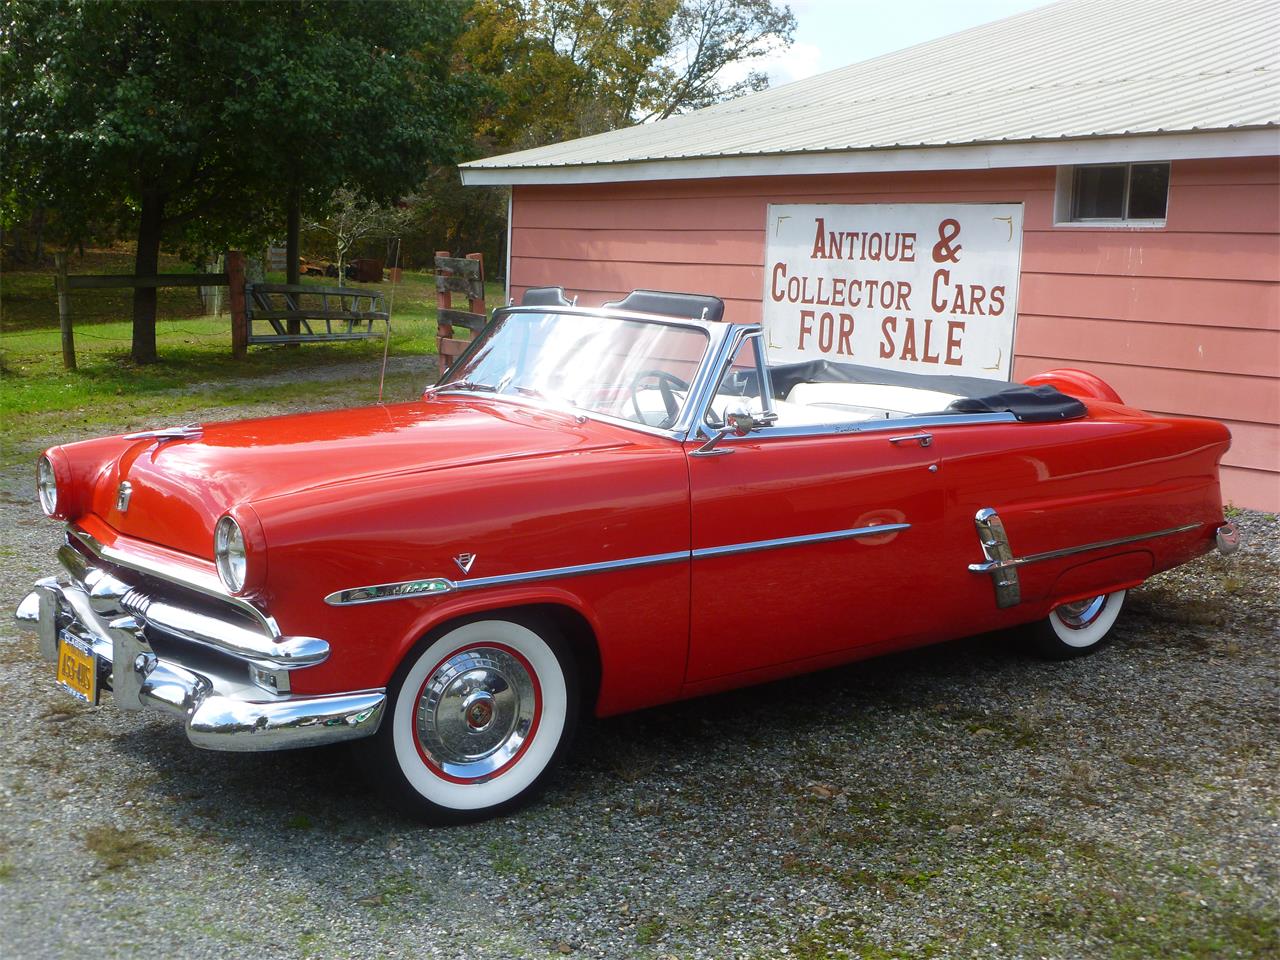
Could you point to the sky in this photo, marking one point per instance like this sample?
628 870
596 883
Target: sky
834 33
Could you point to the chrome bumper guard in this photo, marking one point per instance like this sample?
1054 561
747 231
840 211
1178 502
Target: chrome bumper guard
1228 539
224 708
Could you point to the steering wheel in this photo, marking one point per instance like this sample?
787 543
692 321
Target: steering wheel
668 384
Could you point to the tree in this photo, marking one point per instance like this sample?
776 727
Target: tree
352 218
707 36
559 69
201 121
567 68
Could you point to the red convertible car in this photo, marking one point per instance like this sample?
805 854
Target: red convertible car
595 509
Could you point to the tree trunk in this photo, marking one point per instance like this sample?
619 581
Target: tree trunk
40 234
292 230
147 264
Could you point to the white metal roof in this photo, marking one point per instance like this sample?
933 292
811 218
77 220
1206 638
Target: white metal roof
1061 76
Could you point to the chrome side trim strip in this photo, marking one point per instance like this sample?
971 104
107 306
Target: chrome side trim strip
850 534
578 570
431 586
990 565
209 585
381 592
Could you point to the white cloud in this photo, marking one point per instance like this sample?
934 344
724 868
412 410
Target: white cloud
796 62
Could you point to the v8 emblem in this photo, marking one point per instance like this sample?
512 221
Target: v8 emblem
464 561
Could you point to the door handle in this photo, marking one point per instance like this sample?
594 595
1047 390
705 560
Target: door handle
924 439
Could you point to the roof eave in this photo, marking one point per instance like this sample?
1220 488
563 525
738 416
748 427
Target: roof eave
1182 145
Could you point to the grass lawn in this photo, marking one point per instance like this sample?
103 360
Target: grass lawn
37 396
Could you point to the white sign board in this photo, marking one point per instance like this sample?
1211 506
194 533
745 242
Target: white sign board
923 287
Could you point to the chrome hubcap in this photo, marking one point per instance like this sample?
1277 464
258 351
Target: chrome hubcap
475 712
1081 613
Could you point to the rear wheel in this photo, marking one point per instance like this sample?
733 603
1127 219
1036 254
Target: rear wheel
478 715
1077 628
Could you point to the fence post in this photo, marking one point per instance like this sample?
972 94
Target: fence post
444 301
64 312
478 306
235 301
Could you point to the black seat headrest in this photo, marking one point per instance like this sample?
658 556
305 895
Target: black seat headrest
544 297
664 304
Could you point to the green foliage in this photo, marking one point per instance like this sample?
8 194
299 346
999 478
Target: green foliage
193 121
569 68
559 69
217 106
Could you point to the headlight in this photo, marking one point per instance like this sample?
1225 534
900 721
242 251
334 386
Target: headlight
228 551
47 486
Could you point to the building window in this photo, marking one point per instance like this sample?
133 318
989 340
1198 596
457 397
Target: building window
1113 193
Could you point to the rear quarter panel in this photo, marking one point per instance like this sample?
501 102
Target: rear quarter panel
1118 472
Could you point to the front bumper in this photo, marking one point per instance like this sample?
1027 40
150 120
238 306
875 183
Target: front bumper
198 668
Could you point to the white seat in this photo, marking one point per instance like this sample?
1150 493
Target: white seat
870 399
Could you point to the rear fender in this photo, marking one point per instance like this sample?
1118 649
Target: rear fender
1075 383
1106 575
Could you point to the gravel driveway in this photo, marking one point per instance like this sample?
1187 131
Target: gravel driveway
958 801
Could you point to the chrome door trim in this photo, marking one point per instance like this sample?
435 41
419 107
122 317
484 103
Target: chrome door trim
860 427
577 570
753 545
436 586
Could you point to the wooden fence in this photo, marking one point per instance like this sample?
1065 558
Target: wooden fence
64 283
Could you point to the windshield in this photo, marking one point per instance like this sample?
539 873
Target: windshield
637 370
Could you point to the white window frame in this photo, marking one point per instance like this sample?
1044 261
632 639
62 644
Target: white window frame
1063 196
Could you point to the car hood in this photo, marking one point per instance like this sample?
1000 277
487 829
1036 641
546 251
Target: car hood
180 487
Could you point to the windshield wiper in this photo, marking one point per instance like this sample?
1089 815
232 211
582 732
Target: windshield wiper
465 384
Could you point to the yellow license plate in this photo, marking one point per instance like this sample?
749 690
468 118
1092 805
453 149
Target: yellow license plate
77 668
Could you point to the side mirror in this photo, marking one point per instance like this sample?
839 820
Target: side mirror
740 421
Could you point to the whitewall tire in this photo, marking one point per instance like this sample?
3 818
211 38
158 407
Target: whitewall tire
478 715
1079 628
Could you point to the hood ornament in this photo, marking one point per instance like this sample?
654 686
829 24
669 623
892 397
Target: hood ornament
464 561
123 493
190 431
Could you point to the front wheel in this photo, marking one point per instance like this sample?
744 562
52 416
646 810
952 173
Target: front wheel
1077 628
477 717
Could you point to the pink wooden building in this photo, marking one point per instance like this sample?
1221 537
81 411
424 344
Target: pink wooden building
1141 140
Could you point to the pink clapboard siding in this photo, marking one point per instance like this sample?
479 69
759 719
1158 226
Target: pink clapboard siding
1183 319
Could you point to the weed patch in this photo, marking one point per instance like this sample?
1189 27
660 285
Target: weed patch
115 848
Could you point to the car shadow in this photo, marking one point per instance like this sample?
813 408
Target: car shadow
298 789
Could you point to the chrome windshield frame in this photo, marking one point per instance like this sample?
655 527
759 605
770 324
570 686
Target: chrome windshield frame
717 333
